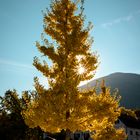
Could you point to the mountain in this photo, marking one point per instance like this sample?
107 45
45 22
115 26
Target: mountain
128 85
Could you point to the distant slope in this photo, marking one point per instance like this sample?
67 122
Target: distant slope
128 85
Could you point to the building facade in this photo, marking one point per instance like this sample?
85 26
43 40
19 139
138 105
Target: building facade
131 126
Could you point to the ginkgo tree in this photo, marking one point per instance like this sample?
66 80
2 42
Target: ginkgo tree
63 105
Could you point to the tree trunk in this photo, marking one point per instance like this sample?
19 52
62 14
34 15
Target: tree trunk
68 132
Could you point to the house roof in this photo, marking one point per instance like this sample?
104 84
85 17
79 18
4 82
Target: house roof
130 121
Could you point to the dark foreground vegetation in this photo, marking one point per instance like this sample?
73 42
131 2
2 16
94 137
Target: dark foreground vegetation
12 125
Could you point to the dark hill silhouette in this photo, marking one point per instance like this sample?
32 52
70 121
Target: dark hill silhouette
128 85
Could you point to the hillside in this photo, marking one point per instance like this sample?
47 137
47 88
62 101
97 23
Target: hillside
128 85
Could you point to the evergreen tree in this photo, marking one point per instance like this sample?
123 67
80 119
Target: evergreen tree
63 105
12 125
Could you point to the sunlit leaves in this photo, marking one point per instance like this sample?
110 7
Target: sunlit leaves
63 105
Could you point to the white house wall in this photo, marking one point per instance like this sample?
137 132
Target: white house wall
132 133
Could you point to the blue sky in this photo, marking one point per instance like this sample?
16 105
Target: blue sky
116 35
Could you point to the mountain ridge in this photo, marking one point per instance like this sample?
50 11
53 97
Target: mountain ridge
128 85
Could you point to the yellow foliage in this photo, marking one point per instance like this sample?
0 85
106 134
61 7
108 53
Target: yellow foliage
63 105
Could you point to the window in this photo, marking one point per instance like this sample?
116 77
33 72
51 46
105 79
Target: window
76 136
137 133
131 132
